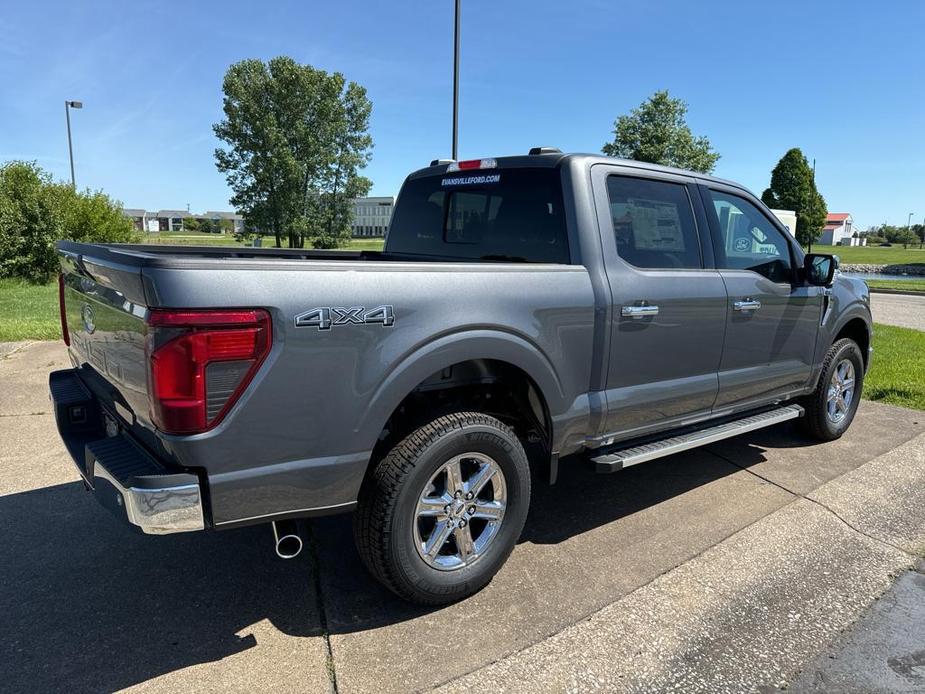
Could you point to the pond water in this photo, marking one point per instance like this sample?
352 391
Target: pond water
881 276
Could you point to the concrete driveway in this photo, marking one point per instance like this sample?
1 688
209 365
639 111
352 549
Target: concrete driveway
718 567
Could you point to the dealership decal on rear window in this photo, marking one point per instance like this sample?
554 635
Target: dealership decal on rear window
471 180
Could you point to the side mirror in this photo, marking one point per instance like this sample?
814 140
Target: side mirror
819 268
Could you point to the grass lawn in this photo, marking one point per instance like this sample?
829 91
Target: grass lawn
875 255
897 373
191 239
906 285
29 311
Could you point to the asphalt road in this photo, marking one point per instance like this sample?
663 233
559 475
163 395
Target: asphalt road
898 309
884 652
639 557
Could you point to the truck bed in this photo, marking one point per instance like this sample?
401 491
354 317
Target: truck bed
165 255
168 256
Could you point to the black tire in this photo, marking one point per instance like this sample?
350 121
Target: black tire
816 422
385 519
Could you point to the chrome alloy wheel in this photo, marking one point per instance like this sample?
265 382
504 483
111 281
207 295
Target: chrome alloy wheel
841 391
460 511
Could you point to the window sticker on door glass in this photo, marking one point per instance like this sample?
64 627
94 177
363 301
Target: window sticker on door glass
656 225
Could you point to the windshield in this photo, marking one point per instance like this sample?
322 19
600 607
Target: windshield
496 214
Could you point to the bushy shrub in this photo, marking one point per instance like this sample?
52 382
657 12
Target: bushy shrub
35 212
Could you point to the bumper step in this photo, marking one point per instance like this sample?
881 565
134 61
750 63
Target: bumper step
129 482
616 459
123 476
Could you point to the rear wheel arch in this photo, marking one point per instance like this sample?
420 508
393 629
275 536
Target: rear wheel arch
486 355
497 388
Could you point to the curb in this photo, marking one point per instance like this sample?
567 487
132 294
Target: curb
898 292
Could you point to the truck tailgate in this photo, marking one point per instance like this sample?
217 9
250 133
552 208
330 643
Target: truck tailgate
104 310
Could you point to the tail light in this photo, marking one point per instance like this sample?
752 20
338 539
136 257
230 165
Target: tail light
64 332
200 362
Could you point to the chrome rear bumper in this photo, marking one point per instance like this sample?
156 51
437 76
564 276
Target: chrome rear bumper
123 476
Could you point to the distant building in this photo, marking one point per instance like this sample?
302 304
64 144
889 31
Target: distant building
371 216
788 218
172 220
139 218
236 219
838 230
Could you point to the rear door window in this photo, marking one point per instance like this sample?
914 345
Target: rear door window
654 223
496 214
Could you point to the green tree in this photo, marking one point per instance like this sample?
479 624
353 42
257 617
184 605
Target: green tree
35 212
192 224
906 236
657 132
94 217
793 188
30 222
901 234
295 139
919 230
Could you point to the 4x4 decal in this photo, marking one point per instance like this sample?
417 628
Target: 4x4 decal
325 317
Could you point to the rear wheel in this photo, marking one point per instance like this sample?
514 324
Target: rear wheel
441 512
832 406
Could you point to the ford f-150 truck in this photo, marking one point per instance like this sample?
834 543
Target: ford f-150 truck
526 312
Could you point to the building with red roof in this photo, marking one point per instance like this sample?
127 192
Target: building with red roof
838 230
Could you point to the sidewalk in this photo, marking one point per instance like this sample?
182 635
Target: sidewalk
748 613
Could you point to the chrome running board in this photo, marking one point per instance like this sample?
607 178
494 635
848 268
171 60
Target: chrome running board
618 459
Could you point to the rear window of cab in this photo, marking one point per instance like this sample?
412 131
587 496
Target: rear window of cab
491 214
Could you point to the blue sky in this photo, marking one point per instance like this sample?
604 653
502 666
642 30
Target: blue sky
842 80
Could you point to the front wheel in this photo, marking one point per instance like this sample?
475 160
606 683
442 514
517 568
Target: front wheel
832 406
442 511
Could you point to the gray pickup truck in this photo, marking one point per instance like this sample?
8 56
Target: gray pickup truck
526 312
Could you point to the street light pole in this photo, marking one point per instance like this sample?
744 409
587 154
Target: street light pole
456 81
68 105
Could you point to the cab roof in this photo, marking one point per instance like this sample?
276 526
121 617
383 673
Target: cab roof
554 159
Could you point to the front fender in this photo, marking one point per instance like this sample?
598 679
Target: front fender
849 300
447 350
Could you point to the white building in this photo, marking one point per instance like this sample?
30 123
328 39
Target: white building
237 221
172 220
371 216
839 227
788 218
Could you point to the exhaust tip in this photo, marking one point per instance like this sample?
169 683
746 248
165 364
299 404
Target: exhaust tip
288 546
288 542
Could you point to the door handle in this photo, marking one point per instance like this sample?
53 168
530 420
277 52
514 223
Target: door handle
638 311
747 305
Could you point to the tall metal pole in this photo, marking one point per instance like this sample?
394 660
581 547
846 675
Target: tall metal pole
814 185
456 83
70 148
